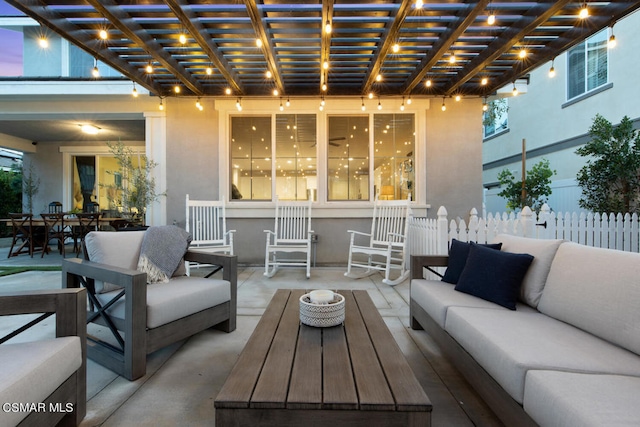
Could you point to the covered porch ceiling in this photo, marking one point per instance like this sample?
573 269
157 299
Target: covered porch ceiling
230 45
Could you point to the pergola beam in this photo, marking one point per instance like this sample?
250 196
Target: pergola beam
182 10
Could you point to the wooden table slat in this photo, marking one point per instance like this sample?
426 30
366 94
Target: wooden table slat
408 392
273 384
339 391
305 390
371 383
237 389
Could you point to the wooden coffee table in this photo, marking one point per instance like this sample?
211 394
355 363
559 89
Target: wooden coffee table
290 374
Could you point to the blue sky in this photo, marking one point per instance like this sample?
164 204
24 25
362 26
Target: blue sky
10 45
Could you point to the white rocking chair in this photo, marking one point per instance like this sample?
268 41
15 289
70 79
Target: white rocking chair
207 223
292 234
385 249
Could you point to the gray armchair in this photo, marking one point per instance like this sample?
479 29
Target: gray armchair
144 318
48 374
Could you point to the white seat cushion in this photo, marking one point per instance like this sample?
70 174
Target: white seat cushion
508 343
31 371
178 298
559 399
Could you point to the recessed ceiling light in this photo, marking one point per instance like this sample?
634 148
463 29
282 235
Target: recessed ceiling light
90 129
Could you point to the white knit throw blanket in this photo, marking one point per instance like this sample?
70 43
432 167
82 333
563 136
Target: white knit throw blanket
162 250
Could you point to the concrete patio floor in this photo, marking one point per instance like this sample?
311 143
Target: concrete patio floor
183 379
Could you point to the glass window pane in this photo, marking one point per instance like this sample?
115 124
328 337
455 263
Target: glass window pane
348 158
597 60
394 147
251 158
575 76
296 160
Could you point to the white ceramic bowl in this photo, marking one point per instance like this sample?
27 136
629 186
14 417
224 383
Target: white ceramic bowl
322 315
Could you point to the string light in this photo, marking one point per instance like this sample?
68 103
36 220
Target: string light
379 104
485 106
379 78
176 89
95 71
149 68
134 92
281 106
268 74
275 92
452 59
515 89
552 70
584 12
428 83
182 38
327 27
484 81
161 106
227 91
362 107
409 100
395 48
522 54
103 34
209 71
199 105
491 19
239 104
419 4
325 65
288 103
458 98
43 42
612 40
258 42
324 87
444 107
402 105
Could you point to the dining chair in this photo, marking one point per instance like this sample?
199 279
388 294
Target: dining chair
87 222
55 230
21 224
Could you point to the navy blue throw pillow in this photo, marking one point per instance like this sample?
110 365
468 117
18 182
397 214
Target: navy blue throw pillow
495 276
458 254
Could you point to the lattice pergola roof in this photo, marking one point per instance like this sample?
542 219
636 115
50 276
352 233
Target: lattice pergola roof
221 35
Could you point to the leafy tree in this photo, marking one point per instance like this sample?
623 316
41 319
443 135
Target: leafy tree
537 187
10 194
610 180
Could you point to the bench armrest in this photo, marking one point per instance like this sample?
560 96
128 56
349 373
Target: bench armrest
418 262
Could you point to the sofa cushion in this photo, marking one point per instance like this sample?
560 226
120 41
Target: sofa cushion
558 399
507 344
493 275
178 298
435 297
31 371
543 251
597 290
458 254
119 249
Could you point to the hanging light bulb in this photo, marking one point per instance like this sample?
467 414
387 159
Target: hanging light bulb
43 42
198 105
209 71
281 106
484 81
395 48
161 106
134 92
182 38
95 71
515 89
327 27
444 107
322 101
325 65
409 100
402 105
324 87
485 106
379 104
428 83
522 54
458 98
379 78
258 42
227 91
491 19
552 70
275 92
362 107
612 40
149 68
268 74
288 103
370 95
584 12
176 89
103 34
419 4
452 59
239 104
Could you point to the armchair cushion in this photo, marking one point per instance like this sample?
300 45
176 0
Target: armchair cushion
31 371
171 301
120 249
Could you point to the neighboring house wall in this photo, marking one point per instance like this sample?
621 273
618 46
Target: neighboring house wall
553 128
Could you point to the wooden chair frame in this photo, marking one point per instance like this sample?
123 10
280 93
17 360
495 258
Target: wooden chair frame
55 230
292 233
129 358
70 309
385 247
87 222
207 222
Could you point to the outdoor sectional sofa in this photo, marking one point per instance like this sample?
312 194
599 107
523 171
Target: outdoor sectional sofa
568 355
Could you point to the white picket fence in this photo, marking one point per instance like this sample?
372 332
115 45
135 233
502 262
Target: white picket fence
432 236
